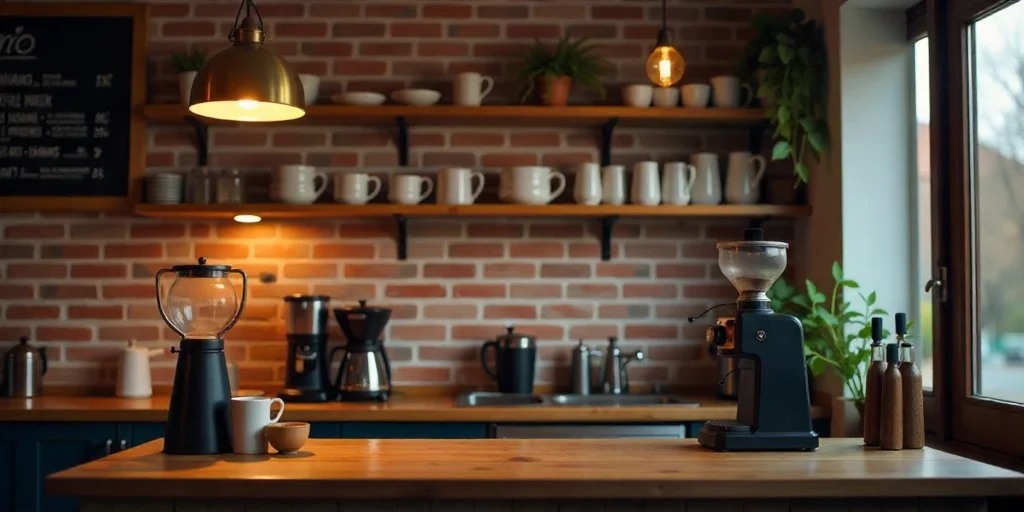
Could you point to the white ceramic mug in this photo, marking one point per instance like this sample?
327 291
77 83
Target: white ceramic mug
613 184
455 186
696 95
728 92
707 186
587 189
532 184
471 88
355 187
677 182
743 182
666 97
296 184
249 416
638 95
646 185
407 189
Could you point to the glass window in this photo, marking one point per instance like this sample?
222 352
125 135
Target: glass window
997 158
922 201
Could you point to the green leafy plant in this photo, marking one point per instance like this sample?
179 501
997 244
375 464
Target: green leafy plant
835 333
575 59
787 57
188 61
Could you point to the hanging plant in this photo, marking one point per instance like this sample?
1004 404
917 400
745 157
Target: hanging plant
787 58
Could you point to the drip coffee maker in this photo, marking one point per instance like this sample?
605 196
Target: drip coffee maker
773 409
200 305
307 367
365 371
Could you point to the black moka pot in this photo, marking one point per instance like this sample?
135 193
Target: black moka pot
200 305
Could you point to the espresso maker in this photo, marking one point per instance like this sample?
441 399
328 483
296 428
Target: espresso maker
774 408
306 371
365 371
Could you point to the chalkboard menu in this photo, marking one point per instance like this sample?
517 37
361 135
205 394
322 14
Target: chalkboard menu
71 84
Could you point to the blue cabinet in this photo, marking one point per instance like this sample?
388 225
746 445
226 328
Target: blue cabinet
414 430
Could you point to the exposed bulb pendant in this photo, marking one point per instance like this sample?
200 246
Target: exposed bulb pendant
246 81
666 65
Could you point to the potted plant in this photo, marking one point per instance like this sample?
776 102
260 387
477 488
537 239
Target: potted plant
187 65
553 70
787 58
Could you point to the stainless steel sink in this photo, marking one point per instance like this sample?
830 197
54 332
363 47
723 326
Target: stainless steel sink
492 399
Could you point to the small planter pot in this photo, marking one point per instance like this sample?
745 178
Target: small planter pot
555 93
185 80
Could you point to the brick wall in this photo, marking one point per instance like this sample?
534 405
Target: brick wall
82 284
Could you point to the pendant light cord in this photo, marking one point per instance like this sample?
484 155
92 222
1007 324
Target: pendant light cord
664 15
250 6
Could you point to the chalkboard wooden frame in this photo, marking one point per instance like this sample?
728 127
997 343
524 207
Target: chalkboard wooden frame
139 13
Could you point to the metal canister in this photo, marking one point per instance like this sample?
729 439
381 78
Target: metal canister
307 314
24 367
580 381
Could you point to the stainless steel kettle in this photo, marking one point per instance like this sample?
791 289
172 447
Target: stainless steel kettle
24 367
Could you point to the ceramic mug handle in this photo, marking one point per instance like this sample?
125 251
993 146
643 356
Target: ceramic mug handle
560 178
691 177
280 411
761 164
376 188
323 183
750 95
479 188
488 84
427 191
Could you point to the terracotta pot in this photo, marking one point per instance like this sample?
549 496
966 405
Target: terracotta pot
557 93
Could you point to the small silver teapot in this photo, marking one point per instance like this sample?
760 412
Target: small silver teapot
24 367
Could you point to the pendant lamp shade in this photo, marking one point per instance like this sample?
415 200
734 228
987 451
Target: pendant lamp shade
247 82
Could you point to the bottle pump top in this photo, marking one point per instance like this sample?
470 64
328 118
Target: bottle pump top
876 330
892 353
901 324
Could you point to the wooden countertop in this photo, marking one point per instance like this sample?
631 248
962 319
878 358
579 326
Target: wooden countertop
399 409
537 468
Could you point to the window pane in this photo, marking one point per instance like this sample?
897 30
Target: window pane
922 198
998 173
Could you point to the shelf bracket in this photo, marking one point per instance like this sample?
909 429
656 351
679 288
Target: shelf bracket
757 223
607 131
607 223
403 141
402 236
202 139
756 136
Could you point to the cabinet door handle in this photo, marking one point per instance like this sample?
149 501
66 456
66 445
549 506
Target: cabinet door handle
110 443
124 444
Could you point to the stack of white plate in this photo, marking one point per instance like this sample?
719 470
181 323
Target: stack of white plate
164 188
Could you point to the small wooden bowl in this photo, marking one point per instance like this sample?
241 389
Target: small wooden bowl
287 437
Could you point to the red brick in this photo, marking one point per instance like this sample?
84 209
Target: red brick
700 250
503 50
536 291
70 252
159 159
599 331
98 271
168 10
327 49
161 231
380 270
447 11
406 374
34 231
385 159
334 10
723 52
16 252
414 290
174 138
417 332
508 159
510 312
727 14
595 291
476 250
332 159
189 29
651 250
449 353
616 12
652 332
72 291
311 67
36 271
359 67
477 139
653 291
255 331
672 232
343 251
700 291
537 250
565 270
494 230
53 333
590 140
222 251
129 332
449 311
348 29
306 231
566 159
20 312
560 12
246 231
536 140
478 291
297 30
532 31
510 270
154 250
560 231
415 30
129 291
310 270
98 312
639 373
15 333
255 375
625 270
594 31
567 311
382 10
487 68
89 231
474 30
299 140
93 353
449 270
680 270
502 12
623 311
281 10
476 332
417 68
392 49
426 139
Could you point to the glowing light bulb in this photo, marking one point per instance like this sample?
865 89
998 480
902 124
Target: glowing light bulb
248 104
665 66
247 218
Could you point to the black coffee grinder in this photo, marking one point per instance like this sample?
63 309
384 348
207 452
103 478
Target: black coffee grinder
365 371
307 368
200 305
774 407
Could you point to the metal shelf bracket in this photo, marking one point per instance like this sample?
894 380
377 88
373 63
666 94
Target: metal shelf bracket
403 141
607 131
402 236
202 139
607 223
756 136
757 223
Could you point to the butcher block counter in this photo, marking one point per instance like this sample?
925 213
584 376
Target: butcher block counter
445 475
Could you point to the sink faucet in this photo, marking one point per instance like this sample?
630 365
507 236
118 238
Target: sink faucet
614 379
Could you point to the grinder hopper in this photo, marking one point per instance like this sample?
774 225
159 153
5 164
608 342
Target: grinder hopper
752 266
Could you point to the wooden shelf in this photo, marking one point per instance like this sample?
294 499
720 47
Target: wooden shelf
334 211
498 115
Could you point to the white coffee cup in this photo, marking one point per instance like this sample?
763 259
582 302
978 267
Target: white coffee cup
613 184
696 95
666 97
707 186
296 184
587 189
470 89
743 182
408 189
677 182
532 185
728 92
355 187
646 185
638 95
249 416
455 186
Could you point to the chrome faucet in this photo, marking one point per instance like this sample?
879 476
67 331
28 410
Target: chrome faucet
614 379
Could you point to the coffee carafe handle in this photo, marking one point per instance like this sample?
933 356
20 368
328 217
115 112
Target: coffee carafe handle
387 362
330 361
483 357
42 356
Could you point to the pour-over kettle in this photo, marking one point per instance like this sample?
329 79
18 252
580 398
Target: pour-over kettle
24 367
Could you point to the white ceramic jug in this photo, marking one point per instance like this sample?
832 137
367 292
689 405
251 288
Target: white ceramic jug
677 183
587 189
707 186
743 183
133 375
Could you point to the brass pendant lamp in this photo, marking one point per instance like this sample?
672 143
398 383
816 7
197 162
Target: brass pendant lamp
247 82
666 65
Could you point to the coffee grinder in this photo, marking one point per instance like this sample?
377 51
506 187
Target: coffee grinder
774 408
200 305
306 371
365 371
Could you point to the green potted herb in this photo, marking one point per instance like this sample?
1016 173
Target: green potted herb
187 65
787 58
553 70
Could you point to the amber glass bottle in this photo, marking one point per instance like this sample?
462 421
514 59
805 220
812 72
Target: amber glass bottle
913 394
891 432
873 385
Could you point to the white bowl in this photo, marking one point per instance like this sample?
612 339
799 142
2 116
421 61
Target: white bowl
417 97
365 99
310 87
